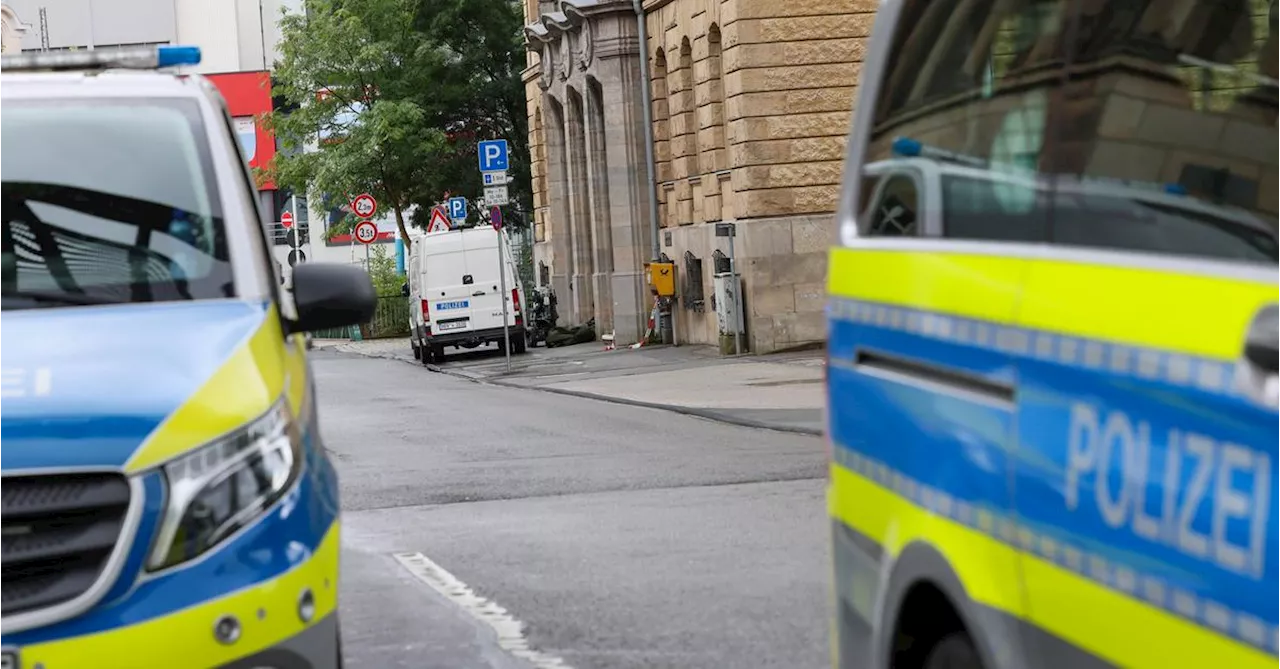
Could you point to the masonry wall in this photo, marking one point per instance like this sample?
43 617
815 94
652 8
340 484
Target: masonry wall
752 102
542 254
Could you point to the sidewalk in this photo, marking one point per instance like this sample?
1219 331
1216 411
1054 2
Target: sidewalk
780 392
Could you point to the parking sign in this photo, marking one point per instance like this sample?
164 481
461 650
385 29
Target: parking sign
458 208
493 155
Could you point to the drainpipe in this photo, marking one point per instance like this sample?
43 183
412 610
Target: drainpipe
647 90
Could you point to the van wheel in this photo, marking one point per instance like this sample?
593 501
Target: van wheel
954 651
519 345
437 354
417 352
424 354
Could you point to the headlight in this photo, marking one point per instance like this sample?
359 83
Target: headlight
226 485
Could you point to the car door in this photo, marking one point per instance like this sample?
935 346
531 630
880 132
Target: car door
481 249
414 277
1147 424
448 284
921 420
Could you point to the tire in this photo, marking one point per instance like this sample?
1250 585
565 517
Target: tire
954 651
437 354
417 352
424 354
520 345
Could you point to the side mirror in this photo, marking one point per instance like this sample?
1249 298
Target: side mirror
329 295
1262 344
404 289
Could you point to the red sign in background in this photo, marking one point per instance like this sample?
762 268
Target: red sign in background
249 94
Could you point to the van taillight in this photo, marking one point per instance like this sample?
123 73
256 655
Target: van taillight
515 299
426 312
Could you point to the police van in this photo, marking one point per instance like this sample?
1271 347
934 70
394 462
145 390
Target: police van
458 281
1053 337
168 501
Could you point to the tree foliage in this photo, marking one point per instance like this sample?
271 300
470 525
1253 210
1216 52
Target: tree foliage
409 87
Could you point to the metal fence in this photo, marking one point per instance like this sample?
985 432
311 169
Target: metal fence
390 319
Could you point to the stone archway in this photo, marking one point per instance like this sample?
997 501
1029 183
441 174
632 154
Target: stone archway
12 30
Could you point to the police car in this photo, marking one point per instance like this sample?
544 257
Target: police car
1053 339
167 497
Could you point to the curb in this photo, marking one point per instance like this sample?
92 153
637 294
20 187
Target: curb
707 414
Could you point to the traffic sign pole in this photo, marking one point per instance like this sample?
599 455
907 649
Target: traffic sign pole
502 282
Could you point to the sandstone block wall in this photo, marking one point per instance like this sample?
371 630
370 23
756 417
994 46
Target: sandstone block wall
752 103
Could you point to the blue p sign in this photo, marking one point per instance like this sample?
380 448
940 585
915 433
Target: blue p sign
493 155
458 208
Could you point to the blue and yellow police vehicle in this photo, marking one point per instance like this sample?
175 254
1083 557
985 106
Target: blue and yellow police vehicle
1052 367
167 500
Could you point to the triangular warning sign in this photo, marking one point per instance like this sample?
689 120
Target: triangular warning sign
439 222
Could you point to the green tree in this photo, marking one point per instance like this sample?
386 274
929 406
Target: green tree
478 95
350 74
382 271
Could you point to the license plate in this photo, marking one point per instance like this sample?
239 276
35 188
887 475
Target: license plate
456 325
9 659
453 304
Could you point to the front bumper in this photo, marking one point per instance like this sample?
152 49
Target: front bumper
272 632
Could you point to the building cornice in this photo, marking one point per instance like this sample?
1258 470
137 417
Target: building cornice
570 16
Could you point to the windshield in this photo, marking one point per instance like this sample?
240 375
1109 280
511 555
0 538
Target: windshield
108 201
1115 217
1159 138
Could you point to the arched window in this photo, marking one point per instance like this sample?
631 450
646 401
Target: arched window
661 127
684 140
718 153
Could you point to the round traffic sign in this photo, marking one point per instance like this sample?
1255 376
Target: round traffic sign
364 206
286 219
366 232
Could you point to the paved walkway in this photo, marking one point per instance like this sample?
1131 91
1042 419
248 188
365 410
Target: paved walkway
781 392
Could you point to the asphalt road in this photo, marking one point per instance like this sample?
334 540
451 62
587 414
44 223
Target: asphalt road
618 536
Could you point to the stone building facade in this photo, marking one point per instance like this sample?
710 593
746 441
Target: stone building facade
752 103
751 106
585 104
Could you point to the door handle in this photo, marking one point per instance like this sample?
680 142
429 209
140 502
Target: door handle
1262 342
940 379
478 293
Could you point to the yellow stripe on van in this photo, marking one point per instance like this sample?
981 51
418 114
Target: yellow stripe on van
974 286
242 389
1202 315
1104 622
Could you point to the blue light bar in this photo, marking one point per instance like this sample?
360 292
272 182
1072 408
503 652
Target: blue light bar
910 148
905 146
134 58
169 56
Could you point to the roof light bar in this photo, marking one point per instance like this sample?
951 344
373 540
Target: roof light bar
137 58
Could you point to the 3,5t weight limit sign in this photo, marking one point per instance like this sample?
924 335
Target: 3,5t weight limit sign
366 232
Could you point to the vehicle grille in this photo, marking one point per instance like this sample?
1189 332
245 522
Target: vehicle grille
58 532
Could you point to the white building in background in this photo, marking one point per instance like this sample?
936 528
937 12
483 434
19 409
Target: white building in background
233 35
12 30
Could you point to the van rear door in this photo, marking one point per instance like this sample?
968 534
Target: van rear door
447 286
481 246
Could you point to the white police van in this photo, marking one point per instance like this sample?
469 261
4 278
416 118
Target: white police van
457 293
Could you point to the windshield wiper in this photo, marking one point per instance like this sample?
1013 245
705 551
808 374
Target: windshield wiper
59 298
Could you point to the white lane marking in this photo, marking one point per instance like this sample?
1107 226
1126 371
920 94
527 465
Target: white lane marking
510 630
